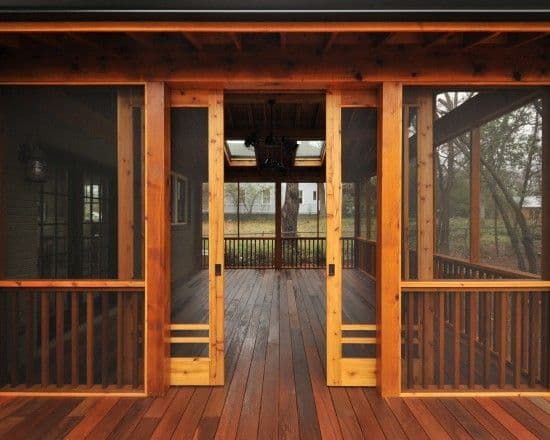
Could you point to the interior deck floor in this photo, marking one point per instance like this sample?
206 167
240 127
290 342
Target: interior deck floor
275 384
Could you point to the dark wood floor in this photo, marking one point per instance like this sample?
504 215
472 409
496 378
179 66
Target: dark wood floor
275 386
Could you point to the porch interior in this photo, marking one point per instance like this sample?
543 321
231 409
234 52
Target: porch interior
275 382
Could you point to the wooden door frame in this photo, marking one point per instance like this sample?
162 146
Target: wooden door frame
341 371
204 370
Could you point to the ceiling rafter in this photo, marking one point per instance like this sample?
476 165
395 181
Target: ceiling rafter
473 40
193 40
329 42
236 41
436 39
518 40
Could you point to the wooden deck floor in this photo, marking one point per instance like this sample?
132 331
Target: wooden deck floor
275 386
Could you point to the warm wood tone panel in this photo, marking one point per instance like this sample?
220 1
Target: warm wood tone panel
185 371
215 232
389 239
157 236
426 221
293 70
476 285
100 285
333 148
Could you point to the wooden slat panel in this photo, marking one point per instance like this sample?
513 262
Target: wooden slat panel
190 371
75 285
388 268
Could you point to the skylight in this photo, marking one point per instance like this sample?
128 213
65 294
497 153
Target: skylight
310 149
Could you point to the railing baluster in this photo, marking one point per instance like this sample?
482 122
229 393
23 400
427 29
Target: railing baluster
472 339
518 339
60 338
502 336
44 339
441 331
89 338
29 337
74 339
104 341
534 337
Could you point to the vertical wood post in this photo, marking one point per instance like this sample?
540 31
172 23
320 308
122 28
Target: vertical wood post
216 238
127 304
406 194
425 210
157 237
278 231
388 267
545 257
334 246
475 195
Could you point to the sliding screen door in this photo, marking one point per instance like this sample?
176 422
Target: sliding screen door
196 330
351 169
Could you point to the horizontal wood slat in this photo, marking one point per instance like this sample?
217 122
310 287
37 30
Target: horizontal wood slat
96 285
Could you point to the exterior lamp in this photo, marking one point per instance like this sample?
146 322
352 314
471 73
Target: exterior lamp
35 165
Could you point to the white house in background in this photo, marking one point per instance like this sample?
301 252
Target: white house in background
265 202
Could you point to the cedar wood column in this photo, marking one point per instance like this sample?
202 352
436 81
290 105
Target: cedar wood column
475 195
425 210
157 237
545 257
388 266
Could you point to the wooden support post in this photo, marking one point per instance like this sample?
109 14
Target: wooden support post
545 257
334 246
127 304
475 195
157 237
406 194
278 238
388 266
425 212
216 238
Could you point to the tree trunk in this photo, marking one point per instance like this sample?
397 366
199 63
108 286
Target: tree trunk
289 213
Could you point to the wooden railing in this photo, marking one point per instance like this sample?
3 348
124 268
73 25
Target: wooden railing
296 252
457 268
366 256
473 340
71 337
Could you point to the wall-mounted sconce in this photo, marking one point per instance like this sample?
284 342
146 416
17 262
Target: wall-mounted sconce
35 164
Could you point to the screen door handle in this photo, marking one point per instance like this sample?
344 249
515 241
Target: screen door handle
218 270
331 270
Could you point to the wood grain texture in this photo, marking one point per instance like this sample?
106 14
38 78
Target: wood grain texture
389 239
157 237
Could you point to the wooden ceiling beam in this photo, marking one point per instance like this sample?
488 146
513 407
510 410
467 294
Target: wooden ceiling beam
381 39
478 110
295 70
297 132
280 98
274 26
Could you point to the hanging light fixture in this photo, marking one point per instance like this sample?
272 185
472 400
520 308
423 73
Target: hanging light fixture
35 165
275 154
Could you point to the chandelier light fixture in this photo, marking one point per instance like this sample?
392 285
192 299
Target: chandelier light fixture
274 154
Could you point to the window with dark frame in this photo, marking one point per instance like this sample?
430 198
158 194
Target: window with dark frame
179 199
